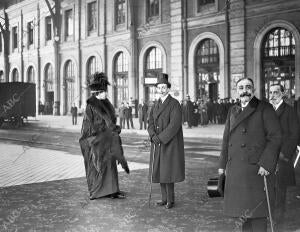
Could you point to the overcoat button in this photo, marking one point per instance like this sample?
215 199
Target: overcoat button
230 145
244 130
243 145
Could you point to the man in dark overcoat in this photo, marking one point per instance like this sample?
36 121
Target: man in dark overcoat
74 114
167 148
143 115
250 149
285 174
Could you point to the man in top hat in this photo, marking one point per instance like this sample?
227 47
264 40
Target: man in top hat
250 149
167 148
285 174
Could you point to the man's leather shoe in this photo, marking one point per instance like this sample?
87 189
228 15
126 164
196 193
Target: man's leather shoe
119 195
170 205
161 203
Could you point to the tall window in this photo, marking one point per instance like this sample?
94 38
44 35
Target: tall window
121 79
15 37
30 75
15 75
69 83
48 28
153 8
2 79
92 16
69 23
120 11
153 68
207 69
30 33
278 60
92 66
0 42
49 78
204 4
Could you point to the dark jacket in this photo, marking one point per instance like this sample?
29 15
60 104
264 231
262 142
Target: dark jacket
169 164
251 139
290 133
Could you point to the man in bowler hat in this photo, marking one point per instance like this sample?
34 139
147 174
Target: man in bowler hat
167 148
250 149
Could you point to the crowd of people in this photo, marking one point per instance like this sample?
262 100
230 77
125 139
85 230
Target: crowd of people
205 111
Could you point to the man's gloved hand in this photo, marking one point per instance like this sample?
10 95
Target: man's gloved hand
155 139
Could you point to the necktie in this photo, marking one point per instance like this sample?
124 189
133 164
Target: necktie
159 103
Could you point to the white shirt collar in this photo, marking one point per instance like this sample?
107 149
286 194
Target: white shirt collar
164 98
279 104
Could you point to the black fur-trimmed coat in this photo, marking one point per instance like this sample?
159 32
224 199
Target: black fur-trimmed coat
101 146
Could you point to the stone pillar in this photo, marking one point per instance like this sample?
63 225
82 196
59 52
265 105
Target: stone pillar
176 77
237 43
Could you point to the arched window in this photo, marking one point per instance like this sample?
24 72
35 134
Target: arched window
207 69
30 75
49 78
69 84
121 79
15 75
49 92
153 68
2 79
92 66
278 60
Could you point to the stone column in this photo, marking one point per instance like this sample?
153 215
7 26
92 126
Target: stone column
237 43
176 77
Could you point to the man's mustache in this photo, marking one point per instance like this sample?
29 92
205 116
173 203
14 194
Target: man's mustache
245 94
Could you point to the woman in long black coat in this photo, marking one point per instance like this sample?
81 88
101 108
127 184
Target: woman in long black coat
100 143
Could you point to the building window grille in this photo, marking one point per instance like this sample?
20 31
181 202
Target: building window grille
121 79
48 28
92 66
49 78
120 12
207 69
69 23
278 61
153 8
30 74
153 69
69 84
30 32
92 16
15 37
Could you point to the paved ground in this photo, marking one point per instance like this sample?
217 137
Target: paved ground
45 189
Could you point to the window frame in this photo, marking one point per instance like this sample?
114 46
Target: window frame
119 26
149 17
206 8
47 20
1 34
30 34
88 18
67 26
15 35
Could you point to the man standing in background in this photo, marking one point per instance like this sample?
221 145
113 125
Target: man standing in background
285 174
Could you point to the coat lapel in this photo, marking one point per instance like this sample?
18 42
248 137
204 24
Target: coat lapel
158 111
236 119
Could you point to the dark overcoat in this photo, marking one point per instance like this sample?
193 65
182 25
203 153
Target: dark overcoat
251 139
100 147
290 133
165 121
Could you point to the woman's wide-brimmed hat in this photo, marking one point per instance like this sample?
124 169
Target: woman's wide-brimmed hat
98 82
163 79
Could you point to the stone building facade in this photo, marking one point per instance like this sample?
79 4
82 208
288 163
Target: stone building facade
204 45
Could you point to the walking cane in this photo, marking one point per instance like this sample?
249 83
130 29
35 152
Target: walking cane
151 173
268 201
